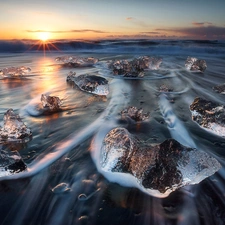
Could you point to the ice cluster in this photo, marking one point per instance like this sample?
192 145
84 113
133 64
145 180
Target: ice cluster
14 71
70 61
196 65
13 128
136 67
50 103
90 83
209 115
10 162
134 113
157 169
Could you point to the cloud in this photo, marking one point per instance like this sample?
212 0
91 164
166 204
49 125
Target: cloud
150 32
201 23
210 32
129 18
68 31
136 22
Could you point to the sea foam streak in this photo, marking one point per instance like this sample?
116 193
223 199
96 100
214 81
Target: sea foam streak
118 99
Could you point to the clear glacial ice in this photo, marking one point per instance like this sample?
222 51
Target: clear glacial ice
13 128
75 61
11 72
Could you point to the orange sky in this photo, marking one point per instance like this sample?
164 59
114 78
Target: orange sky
76 19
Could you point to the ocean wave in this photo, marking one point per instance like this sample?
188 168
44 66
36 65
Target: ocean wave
156 47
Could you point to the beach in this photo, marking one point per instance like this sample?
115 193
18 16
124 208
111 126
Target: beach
60 150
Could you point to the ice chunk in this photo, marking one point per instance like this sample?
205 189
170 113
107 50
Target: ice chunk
90 83
10 162
165 88
220 88
159 169
136 67
70 61
209 115
146 62
135 113
51 103
14 71
14 129
194 64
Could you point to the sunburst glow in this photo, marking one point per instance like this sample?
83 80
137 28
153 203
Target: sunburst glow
44 36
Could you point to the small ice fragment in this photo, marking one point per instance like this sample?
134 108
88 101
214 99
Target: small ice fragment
61 188
13 128
70 61
219 88
135 113
51 103
71 75
90 83
165 88
209 115
10 162
82 197
157 170
194 64
14 71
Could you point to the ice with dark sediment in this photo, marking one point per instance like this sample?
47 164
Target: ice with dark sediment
195 65
90 83
11 72
136 67
50 103
155 169
13 128
10 162
72 61
165 88
134 113
219 88
209 115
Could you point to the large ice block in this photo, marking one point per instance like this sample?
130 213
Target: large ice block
157 169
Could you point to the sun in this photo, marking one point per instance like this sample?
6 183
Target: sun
43 36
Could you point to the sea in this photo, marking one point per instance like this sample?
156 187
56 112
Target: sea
62 184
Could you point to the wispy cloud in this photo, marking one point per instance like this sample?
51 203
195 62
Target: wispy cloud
137 22
209 32
202 24
129 18
150 32
68 31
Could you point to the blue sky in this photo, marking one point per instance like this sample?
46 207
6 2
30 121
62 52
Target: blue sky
94 19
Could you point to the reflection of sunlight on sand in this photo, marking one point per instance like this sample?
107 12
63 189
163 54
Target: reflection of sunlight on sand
15 83
49 80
